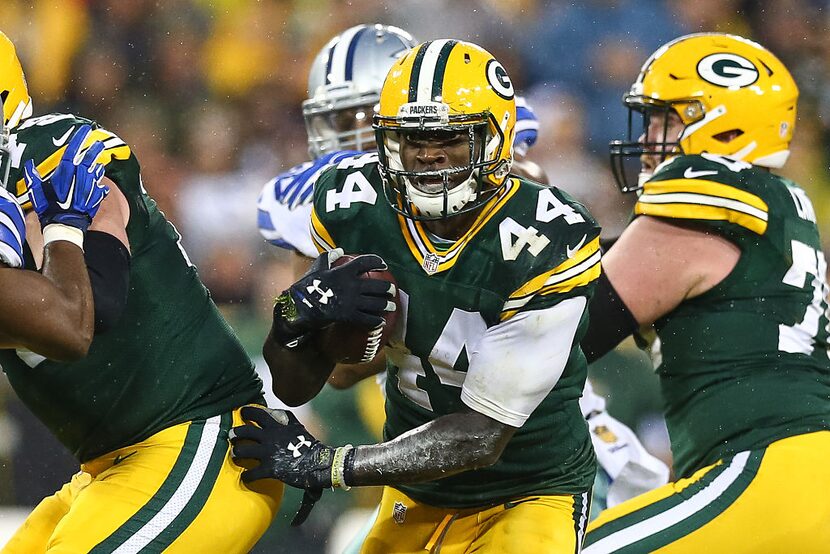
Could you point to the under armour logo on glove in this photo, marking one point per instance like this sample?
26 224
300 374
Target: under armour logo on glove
328 294
295 449
304 463
324 294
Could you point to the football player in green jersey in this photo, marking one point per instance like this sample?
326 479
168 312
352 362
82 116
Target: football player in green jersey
147 410
66 203
486 446
723 257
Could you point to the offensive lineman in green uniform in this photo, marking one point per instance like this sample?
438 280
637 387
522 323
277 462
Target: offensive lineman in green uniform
724 258
147 411
486 445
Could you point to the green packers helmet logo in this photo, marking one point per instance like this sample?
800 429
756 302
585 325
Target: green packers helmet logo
499 79
727 70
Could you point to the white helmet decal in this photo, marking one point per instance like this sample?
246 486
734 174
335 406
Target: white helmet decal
727 70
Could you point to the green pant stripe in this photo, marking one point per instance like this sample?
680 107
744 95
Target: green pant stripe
200 496
656 508
160 499
679 521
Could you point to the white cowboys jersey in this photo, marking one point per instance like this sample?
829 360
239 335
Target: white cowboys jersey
284 206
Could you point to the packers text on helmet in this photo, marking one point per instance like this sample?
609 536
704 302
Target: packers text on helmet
446 88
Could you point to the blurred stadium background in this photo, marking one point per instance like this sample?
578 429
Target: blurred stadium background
208 94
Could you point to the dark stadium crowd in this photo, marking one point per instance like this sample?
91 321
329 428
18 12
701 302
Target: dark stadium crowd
208 94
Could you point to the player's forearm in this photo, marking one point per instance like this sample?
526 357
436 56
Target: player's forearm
297 374
65 267
448 445
51 313
345 376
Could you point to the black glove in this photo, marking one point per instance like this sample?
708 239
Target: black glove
327 294
286 451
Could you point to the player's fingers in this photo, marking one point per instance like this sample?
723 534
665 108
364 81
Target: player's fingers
245 432
264 417
98 176
374 305
30 173
333 255
91 154
377 287
366 262
247 451
75 143
368 320
255 474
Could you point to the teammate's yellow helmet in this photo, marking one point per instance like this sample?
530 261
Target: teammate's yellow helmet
17 105
14 99
734 97
438 87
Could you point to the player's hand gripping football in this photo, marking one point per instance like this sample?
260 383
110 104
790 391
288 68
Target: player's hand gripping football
74 192
329 294
286 451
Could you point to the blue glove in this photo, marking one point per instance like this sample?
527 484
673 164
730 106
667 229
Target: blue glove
74 193
12 230
527 127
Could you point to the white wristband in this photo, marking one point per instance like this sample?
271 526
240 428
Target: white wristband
58 231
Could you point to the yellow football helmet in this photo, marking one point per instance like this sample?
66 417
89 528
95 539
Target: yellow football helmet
446 86
17 105
734 97
14 99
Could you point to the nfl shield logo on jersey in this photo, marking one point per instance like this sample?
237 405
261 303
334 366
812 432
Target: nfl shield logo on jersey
399 513
430 264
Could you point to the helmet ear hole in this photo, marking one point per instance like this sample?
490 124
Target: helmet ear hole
728 136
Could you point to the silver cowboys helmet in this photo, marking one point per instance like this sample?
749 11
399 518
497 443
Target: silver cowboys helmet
344 87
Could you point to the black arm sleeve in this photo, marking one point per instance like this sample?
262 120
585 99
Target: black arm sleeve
609 321
108 264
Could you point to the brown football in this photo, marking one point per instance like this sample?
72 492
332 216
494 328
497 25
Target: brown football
352 344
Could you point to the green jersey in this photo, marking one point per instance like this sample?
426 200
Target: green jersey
529 249
170 358
745 363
